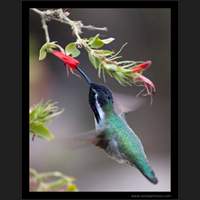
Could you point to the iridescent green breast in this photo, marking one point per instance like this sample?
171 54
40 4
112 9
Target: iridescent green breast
127 141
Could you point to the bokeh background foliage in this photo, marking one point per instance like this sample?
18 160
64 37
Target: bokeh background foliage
147 32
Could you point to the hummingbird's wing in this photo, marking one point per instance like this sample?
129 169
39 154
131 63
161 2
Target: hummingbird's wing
80 140
126 103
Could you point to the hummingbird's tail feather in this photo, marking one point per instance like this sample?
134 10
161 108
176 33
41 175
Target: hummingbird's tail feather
147 171
151 176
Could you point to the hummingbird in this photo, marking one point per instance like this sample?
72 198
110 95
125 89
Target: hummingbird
113 134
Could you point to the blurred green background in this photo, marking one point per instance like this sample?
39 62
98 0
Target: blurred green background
147 32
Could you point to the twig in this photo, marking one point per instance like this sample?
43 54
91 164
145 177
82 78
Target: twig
61 16
37 11
91 27
44 24
45 27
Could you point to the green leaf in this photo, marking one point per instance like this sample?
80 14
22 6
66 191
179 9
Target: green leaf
110 67
104 52
51 45
94 60
47 47
95 42
43 112
58 183
71 49
43 54
72 187
108 40
32 114
41 131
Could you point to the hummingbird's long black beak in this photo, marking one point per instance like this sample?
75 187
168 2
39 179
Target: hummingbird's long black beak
83 74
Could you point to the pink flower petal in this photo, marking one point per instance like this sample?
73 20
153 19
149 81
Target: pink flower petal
150 87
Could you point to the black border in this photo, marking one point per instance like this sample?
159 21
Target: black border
174 100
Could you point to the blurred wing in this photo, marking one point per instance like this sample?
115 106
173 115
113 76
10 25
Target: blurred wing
126 103
80 140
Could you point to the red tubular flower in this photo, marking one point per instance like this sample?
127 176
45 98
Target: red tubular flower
67 60
150 87
138 68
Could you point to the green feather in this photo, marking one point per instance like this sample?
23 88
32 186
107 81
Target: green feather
128 143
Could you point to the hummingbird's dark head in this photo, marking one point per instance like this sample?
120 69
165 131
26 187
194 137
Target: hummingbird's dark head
100 99
101 94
